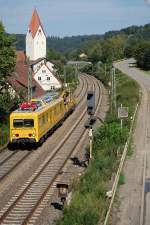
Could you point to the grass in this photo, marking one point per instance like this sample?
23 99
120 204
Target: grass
4 133
121 179
89 203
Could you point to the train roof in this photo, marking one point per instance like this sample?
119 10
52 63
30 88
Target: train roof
41 108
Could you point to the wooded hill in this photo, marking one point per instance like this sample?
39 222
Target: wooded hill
68 44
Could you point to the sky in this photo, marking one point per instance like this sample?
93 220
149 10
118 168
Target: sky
74 17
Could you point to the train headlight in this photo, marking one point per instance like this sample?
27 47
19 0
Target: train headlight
31 135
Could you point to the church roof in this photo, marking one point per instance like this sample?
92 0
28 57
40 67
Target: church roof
35 23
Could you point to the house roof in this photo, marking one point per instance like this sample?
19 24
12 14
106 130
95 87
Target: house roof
35 23
19 79
21 57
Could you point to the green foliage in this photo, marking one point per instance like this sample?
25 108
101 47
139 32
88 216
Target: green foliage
55 55
7 64
70 44
94 51
113 48
89 199
124 93
121 179
4 131
142 54
7 55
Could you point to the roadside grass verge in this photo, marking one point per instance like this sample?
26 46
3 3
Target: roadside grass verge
89 203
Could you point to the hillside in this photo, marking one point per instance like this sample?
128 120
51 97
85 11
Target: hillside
68 44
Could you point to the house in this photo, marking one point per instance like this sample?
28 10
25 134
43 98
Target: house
19 79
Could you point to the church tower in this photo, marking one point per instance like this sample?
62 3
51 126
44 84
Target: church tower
35 39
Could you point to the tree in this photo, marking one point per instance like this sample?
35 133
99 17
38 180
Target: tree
113 48
7 54
54 55
7 64
94 52
142 54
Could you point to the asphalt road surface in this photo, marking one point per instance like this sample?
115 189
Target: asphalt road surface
134 206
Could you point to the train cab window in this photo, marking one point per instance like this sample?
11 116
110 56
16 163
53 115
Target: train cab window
18 123
28 123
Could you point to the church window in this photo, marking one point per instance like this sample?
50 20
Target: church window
43 71
48 78
39 78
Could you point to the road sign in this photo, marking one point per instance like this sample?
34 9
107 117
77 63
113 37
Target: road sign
122 112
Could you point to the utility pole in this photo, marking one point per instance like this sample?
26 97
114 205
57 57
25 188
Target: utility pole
114 75
76 73
29 83
105 69
64 74
121 120
113 89
91 144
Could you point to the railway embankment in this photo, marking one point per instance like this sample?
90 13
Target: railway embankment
89 203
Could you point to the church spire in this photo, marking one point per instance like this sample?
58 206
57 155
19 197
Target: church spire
35 23
35 39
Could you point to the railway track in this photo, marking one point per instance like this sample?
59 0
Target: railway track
33 193
12 160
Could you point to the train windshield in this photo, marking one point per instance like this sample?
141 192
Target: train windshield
23 123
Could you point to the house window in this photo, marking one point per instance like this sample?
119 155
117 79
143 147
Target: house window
39 78
48 78
43 71
52 87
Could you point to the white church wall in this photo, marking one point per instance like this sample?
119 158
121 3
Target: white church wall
29 46
39 44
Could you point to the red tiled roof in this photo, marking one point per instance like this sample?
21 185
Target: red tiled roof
19 79
21 56
35 23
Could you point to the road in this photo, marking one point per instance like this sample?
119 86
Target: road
135 193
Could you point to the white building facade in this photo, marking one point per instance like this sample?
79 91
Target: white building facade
43 71
46 78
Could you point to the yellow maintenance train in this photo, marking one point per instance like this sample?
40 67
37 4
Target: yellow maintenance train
34 120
